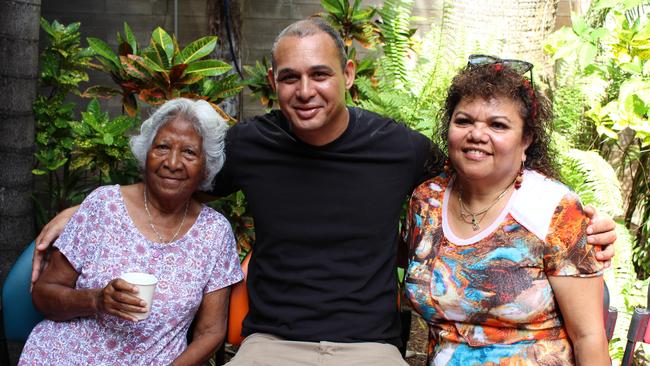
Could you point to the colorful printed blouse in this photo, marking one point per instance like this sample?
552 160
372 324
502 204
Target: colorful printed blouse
101 242
487 298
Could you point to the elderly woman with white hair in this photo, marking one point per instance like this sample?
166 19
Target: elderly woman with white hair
155 227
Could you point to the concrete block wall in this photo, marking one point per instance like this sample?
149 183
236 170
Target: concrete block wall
261 21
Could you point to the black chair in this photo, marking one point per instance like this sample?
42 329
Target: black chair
639 331
611 315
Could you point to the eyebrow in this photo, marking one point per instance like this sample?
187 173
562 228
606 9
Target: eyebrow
473 118
288 70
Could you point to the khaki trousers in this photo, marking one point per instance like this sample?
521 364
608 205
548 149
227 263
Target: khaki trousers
261 349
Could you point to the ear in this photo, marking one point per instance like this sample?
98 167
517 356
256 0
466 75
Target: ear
527 141
271 77
349 73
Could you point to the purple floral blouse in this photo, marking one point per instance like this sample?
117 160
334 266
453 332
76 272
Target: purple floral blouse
101 242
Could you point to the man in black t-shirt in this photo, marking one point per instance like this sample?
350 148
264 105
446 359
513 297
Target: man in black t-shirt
325 184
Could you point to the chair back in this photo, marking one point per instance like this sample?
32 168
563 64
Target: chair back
18 312
610 315
238 307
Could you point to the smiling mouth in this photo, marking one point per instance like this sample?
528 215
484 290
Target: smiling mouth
477 153
307 113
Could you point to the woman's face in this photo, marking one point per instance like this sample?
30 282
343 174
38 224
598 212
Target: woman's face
175 162
486 140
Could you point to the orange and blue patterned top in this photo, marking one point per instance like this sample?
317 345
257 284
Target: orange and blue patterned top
487 299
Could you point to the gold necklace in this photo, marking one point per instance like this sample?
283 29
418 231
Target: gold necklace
475 218
160 238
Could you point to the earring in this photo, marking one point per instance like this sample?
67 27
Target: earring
520 176
447 167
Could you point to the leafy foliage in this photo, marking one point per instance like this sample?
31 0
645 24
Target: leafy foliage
162 71
258 83
605 59
63 67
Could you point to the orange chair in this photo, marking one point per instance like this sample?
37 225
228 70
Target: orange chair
238 307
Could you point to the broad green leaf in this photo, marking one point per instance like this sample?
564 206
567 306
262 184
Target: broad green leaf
130 38
208 67
161 38
38 172
133 68
196 50
102 49
335 7
156 53
580 27
154 66
46 27
632 68
108 139
587 53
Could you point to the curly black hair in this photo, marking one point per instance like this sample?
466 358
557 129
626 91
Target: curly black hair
500 80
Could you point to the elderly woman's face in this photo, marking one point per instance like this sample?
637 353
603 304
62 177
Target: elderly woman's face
175 163
486 140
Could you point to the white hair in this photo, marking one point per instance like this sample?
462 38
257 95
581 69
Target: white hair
207 123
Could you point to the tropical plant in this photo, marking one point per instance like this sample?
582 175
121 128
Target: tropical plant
63 67
605 59
102 146
351 21
258 83
162 71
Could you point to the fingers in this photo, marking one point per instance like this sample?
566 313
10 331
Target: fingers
118 299
606 255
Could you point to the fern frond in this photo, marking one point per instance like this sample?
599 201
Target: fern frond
593 179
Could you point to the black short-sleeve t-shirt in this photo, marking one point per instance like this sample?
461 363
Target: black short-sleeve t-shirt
326 224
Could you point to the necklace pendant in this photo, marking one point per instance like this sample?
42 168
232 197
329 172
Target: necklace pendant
475 226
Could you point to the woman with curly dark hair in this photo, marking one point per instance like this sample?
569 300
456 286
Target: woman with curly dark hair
499 265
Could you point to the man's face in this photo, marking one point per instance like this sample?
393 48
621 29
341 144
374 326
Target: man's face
311 86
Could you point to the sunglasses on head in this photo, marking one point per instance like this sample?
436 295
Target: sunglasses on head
519 66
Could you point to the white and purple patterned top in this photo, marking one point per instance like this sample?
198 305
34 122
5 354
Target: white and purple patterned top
101 242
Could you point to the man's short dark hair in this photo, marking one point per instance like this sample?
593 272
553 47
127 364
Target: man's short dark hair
310 27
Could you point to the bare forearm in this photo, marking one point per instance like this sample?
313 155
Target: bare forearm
202 346
591 350
62 303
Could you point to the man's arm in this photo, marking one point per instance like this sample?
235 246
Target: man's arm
601 231
47 236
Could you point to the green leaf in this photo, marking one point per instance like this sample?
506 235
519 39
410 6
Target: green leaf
333 6
161 38
196 50
134 68
208 67
100 91
130 38
156 53
102 49
579 25
108 139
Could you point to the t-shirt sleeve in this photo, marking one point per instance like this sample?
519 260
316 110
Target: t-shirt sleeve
567 252
75 243
227 269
